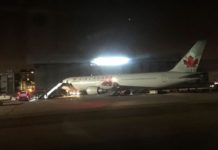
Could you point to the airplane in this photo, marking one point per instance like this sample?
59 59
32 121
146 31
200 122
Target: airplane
183 75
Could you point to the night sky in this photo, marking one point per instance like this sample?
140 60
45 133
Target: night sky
58 30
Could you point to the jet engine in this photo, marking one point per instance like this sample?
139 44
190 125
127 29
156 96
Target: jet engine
92 90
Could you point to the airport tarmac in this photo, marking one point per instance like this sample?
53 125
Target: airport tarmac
166 121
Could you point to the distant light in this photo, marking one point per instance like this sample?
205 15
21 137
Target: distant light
77 93
32 72
212 86
30 90
110 61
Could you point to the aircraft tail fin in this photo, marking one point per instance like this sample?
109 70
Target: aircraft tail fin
190 62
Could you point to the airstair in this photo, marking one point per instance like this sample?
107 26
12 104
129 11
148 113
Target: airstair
52 90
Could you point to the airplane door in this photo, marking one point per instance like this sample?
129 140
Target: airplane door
165 78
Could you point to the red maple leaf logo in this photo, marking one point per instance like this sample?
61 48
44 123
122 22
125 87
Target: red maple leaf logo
190 62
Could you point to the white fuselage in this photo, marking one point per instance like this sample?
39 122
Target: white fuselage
157 80
182 75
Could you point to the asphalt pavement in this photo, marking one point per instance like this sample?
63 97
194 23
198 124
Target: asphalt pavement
166 121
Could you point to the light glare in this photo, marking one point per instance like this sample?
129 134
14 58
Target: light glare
110 61
114 79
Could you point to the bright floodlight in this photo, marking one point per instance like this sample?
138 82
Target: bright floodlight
110 61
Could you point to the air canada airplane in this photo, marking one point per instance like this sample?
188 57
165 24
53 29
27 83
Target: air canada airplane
183 75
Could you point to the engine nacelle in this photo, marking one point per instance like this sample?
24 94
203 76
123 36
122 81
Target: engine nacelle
93 90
